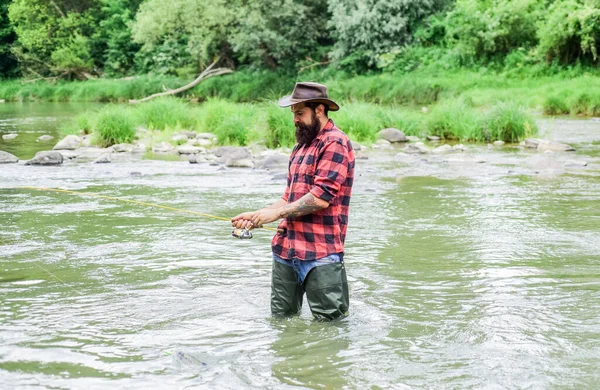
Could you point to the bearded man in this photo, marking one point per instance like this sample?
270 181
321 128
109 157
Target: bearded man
308 248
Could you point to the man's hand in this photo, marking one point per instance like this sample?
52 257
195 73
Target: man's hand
263 216
243 220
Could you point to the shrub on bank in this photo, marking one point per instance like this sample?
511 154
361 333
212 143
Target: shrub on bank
509 122
555 105
455 121
114 126
166 112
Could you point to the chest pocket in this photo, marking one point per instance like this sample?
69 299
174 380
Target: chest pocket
305 169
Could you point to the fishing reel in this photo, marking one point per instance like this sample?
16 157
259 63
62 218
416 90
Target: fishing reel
242 234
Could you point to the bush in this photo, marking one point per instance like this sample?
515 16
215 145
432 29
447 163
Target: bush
280 127
555 105
509 122
114 126
455 121
571 33
163 113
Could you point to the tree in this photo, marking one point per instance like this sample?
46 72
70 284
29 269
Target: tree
52 36
8 64
365 29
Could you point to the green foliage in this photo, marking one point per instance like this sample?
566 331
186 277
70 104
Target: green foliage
571 32
366 29
481 30
8 65
169 112
282 34
455 121
181 33
555 105
509 122
115 33
114 126
280 127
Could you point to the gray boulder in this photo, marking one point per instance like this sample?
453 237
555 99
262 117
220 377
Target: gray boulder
10 136
188 149
223 150
46 158
208 136
275 161
163 147
104 159
417 148
188 133
532 143
554 147
433 138
179 138
237 157
123 148
7 158
70 142
241 163
442 149
45 138
413 138
392 135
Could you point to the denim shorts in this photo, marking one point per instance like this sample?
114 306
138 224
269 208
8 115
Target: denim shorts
302 267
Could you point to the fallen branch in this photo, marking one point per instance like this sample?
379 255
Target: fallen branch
207 73
313 64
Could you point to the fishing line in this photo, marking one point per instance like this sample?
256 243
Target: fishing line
134 202
239 233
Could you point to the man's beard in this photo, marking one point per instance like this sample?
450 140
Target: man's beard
306 133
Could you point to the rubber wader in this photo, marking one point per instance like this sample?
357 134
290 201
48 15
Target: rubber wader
326 289
286 292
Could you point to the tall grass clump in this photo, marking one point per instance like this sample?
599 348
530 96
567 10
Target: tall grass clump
233 124
163 113
280 129
555 105
454 120
509 122
114 125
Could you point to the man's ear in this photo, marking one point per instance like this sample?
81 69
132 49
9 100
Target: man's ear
320 110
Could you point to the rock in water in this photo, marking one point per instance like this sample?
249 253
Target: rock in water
185 359
9 136
46 158
104 159
7 158
392 135
70 142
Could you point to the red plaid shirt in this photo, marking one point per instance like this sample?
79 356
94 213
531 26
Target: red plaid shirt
325 168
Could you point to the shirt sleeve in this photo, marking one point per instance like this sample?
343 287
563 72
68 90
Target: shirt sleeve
331 171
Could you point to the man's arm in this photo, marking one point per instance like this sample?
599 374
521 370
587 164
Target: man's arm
308 204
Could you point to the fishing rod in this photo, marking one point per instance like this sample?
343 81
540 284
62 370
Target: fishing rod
238 233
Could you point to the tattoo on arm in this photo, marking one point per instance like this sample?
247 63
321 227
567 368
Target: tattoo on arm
303 206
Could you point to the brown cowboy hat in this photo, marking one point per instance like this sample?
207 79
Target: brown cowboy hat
308 92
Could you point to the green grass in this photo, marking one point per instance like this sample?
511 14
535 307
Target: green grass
553 94
556 105
245 123
455 121
166 112
114 126
509 122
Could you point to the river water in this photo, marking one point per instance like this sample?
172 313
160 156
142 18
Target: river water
466 271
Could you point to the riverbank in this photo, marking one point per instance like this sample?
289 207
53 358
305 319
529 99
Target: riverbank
242 124
559 93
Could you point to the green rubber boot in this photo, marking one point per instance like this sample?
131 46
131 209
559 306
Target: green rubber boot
286 292
326 289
